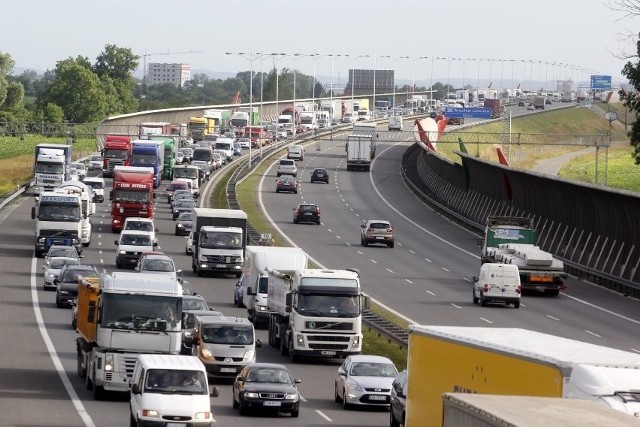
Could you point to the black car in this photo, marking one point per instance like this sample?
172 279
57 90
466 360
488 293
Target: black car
184 223
265 386
306 212
320 174
67 282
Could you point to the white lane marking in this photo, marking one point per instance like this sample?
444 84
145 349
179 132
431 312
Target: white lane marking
408 281
486 320
77 403
99 243
390 271
445 269
339 237
466 280
636 350
99 236
323 415
348 244
360 252
104 270
373 261
412 251
303 399
551 317
100 251
399 244
593 333
430 293
637 322
329 230
456 306
101 261
357 214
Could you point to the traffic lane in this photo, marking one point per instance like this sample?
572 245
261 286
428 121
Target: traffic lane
28 376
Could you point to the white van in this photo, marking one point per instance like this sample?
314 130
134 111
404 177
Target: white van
497 283
141 224
295 152
395 123
170 387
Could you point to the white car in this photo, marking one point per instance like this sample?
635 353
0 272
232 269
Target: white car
188 244
82 170
53 267
131 245
287 167
365 380
97 185
245 143
95 162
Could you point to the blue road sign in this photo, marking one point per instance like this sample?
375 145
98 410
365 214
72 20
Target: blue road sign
600 82
468 112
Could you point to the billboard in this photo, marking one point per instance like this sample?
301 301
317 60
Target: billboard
600 82
468 112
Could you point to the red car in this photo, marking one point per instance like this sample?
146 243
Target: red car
287 183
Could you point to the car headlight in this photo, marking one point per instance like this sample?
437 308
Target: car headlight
150 413
261 307
188 334
238 259
202 415
251 394
354 387
41 240
122 252
291 396
179 225
249 356
50 276
63 292
206 354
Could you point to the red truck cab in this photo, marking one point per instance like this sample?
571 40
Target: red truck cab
116 152
132 195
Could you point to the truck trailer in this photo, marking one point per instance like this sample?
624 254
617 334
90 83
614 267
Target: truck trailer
361 146
150 154
315 313
512 361
119 317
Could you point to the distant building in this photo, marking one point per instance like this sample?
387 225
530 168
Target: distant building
175 74
361 82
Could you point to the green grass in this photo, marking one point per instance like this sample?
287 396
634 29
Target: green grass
374 343
219 195
623 173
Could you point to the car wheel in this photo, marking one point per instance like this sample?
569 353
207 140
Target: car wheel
277 191
392 420
295 221
58 303
318 222
345 405
132 421
336 397
295 192
365 243
242 408
475 298
295 412
278 175
392 244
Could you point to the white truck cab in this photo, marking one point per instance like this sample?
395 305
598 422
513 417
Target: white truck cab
88 206
168 387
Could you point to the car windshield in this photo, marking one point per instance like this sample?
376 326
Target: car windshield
328 305
71 275
185 216
96 159
194 304
373 369
269 375
135 240
138 225
173 381
308 208
220 240
177 186
227 334
96 185
62 252
185 204
158 265
61 262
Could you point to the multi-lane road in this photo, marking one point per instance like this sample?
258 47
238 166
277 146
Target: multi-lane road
426 277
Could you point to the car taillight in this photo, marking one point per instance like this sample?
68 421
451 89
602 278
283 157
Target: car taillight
518 289
390 230
486 287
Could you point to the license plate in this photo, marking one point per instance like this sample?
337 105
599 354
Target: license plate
287 183
320 175
271 403
374 397
176 425
380 238
227 369
308 213
328 353
220 266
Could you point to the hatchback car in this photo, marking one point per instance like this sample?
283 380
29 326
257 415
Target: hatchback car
266 386
61 251
97 186
156 263
184 223
82 170
194 302
287 167
245 143
67 282
306 212
95 162
377 231
398 400
320 175
182 206
365 380
52 269
287 183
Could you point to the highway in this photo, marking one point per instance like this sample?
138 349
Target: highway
426 278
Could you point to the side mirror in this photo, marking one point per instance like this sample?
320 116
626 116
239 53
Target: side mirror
258 343
33 212
155 244
341 372
56 282
116 242
240 378
214 391
178 271
475 278
44 267
135 389
297 381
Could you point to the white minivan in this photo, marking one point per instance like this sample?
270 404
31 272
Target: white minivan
497 283
170 387
395 123
295 152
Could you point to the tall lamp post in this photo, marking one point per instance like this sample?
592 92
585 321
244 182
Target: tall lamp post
394 77
353 74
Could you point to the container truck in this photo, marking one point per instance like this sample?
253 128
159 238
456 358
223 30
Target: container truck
512 361
219 240
120 316
131 195
361 146
149 154
87 204
538 102
58 221
51 166
148 129
512 240
219 120
169 146
315 312
473 410
256 279
495 106
116 152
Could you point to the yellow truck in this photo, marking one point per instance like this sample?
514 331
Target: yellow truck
511 361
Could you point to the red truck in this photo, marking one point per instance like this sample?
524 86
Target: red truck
258 136
494 105
132 194
116 152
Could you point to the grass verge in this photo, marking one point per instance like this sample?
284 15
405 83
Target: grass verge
622 173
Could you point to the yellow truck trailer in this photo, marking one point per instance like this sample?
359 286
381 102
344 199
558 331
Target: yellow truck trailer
510 361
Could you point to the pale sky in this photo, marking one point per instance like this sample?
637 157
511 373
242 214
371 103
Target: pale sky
531 40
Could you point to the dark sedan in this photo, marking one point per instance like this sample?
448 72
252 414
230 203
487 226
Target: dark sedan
287 183
182 206
184 223
268 386
320 174
67 282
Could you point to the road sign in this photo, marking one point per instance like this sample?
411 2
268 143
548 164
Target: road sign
600 82
468 112
265 236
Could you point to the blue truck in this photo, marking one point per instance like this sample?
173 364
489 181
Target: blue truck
150 154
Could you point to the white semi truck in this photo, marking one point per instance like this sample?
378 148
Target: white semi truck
59 221
88 206
256 280
120 316
315 312
51 166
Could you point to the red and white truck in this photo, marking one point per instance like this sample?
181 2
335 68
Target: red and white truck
132 194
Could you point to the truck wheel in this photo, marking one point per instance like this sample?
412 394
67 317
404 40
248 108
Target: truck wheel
516 304
88 383
294 357
97 392
284 346
82 372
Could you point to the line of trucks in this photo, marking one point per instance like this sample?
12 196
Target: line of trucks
469 376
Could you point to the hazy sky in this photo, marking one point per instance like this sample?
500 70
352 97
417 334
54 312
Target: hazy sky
479 38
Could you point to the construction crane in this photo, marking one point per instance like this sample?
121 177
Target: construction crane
145 55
